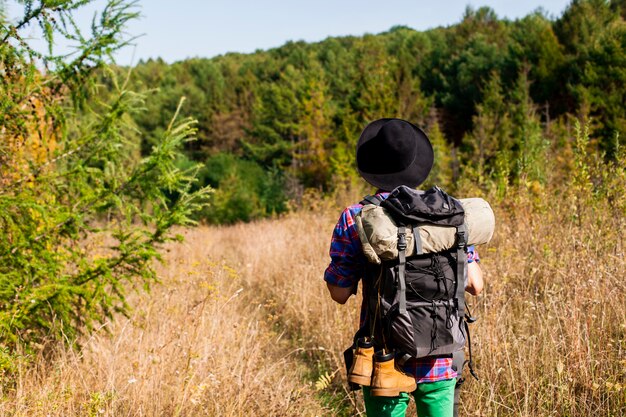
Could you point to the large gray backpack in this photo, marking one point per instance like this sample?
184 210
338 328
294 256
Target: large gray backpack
415 296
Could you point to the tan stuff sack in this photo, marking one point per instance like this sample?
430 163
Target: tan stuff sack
379 233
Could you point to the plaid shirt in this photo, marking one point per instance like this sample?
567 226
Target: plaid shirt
346 268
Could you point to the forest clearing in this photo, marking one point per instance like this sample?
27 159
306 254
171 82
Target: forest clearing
241 324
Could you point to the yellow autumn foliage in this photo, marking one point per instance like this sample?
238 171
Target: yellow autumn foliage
30 149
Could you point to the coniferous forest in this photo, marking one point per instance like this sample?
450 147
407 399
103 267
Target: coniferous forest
149 215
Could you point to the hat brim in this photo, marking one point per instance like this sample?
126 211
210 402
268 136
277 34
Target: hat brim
414 174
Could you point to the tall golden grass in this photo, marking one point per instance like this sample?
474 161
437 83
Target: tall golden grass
242 324
200 343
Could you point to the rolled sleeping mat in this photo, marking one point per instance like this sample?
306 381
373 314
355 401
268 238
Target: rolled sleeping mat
379 233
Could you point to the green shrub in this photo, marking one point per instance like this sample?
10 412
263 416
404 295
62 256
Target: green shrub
243 190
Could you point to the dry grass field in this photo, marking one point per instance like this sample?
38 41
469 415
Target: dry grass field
242 325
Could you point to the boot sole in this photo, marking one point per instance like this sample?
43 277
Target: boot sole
391 392
360 379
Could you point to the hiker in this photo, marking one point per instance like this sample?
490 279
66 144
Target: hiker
391 153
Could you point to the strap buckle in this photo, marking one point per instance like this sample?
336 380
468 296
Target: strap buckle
461 240
402 241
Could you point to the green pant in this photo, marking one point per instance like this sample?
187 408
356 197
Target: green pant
432 399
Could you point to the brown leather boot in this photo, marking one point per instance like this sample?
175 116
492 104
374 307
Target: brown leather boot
387 381
361 370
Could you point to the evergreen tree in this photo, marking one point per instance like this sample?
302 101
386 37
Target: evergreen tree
491 137
532 145
71 179
594 36
442 172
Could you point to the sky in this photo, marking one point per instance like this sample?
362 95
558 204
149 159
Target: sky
179 29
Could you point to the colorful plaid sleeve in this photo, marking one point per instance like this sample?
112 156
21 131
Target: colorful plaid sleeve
347 261
472 254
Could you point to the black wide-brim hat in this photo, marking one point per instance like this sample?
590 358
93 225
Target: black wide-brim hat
394 152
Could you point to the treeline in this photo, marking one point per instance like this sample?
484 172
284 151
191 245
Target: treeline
497 97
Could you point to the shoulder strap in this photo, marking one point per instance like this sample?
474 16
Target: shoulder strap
418 240
401 267
461 245
461 261
371 199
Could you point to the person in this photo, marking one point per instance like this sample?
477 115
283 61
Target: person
390 153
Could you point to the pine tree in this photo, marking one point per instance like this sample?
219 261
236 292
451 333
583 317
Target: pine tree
442 171
532 145
491 137
71 179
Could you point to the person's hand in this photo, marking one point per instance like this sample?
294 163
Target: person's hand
475 281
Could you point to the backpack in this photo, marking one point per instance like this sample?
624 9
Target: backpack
416 246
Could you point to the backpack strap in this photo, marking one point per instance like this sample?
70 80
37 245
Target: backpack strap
469 362
418 240
402 266
461 261
371 199
461 245
469 319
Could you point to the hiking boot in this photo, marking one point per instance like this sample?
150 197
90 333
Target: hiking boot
361 369
388 381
